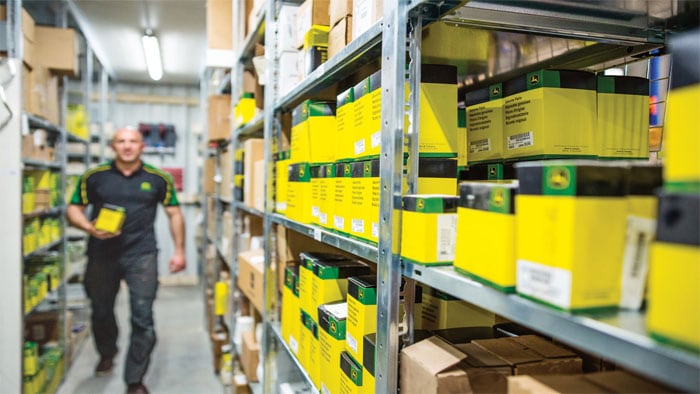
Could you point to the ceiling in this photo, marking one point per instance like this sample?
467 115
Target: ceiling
114 29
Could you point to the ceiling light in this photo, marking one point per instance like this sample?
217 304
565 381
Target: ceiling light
151 50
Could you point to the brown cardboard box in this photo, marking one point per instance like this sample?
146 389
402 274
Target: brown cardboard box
601 382
208 173
530 354
219 117
339 36
41 328
28 146
43 94
365 13
57 49
250 276
339 9
254 151
249 82
26 87
258 182
226 164
219 26
28 35
250 354
311 12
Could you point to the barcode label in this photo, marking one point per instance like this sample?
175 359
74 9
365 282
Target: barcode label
375 229
323 218
360 147
446 236
339 222
317 234
293 344
315 210
376 139
549 284
635 263
521 140
352 342
480 146
281 206
358 226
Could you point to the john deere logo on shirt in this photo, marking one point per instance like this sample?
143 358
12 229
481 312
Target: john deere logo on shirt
146 186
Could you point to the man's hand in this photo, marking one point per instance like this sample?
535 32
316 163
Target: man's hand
177 262
99 234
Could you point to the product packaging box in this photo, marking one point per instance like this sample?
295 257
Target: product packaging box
315 192
550 113
623 117
57 49
250 355
28 36
244 110
364 201
570 232
351 376
437 175
492 206
291 323
343 185
674 272
362 313
308 298
339 9
326 195
330 281
438 112
440 310
254 152
312 56
339 36
281 181
219 26
250 276
365 14
485 124
366 138
369 362
443 43
488 172
311 12
299 193
310 349
110 218
332 319
219 119
436 216
313 132
601 382
462 148
345 125
290 73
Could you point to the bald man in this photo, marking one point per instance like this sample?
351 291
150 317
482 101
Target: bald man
130 254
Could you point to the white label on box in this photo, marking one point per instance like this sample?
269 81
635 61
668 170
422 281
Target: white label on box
339 222
376 139
339 311
323 218
446 236
317 234
315 210
480 146
293 344
521 140
375 229
351 341
360 147
257 259
549 284
281 206
635 264
358 226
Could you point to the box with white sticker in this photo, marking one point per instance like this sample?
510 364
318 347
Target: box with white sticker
436 217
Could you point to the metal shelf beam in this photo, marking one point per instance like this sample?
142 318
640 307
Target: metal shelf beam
43 213
276 330
250 128
240 206
41 164
44 249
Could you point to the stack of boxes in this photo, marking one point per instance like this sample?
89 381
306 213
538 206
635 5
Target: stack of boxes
341 25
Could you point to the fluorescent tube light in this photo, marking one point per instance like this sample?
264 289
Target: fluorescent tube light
151 51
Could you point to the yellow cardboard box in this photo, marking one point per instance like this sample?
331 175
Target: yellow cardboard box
623 117
436 216
291 323
330 281
366 138
369 361
437 175
341 210
332 323
308 296
438 123
360 197
316 170
362 313
299 193
281 184
486 233
550 113
443 43
309 350
345 125
570 232
485 124
244 111
327 195
110 218
351 374
313 137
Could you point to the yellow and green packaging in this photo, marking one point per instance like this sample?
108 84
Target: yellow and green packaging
485 124
369 362
316 173
488 172
550 113
313 137
332 322
623 117
674 272
462 149
281 184
244 111
486 251
366 139
436 216
345 125
342 199
110 218
437 175
438 111
359 201
351 376
327 195
291 323
362 312
299 193
570 232
330 281
440 310
309 350
28 187
308 297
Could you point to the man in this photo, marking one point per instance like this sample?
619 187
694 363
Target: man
130 254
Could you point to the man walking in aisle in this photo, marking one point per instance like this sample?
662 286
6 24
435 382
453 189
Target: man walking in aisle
129 254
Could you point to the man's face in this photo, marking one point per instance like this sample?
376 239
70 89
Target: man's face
127 145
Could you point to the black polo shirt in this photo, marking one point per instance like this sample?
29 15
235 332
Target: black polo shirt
139 194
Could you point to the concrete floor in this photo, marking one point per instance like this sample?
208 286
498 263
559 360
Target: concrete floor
181 361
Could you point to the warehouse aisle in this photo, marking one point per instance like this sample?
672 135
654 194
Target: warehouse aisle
181 362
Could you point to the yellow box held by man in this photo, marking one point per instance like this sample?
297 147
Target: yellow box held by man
486 233
313 137
623 117
345 125
332 320
291 323
428 227
674 276
570 232
362 312
299 193
550 113
485 124
342 200
110 218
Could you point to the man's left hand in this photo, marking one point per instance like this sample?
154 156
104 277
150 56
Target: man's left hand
177 263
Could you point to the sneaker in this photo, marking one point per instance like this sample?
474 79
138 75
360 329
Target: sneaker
136 388
104 367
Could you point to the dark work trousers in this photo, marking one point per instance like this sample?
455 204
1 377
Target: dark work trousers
102 277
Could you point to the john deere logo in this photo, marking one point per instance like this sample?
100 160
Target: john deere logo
496 91
534 79
499 198
366 167
333 327
329 171
301 171
146 186
559 178
420 204
347 170
353 374
492 171
360 293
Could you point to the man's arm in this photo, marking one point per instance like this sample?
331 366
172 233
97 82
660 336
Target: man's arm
76 217
177 230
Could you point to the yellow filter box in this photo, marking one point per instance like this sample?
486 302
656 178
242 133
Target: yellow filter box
570 232
362 313
443 43
485 124
642 206
244 111
366 225
623 117
462 156
330 282
367 139
550 113
436 217
359 197
313 132
309 350
437 135
238 185
440 310
351 374
281 184
291 323
331 338
437 175
342 200
369 361
326 195
110 218
488 172
316 170
345 125
299 192
486 233
308 288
